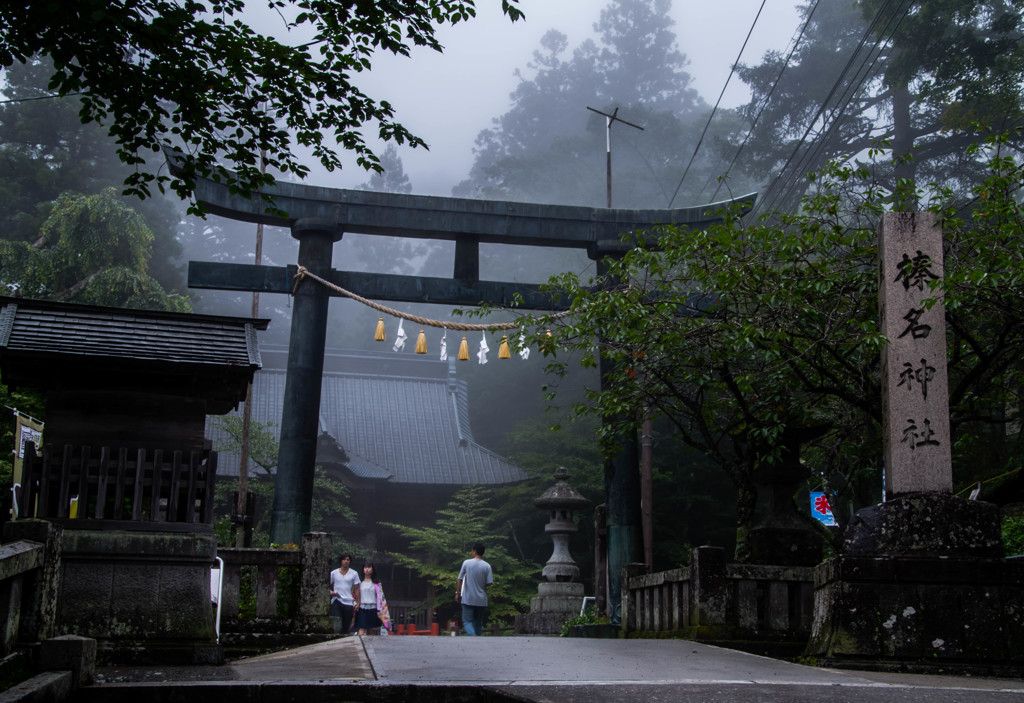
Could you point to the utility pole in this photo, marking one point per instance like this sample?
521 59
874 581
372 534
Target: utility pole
242 517
646 440
618 548
608 143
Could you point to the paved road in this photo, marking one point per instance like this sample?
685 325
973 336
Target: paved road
594 670
556 670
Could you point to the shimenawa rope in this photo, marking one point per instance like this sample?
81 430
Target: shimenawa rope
303 272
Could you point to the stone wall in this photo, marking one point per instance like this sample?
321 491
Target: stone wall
137 581
920 614
921 586
141 589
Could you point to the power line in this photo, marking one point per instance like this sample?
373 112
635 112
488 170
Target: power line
809 156
786 174
732 70
767 99
37 97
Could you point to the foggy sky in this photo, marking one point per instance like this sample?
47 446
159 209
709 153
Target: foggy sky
447 99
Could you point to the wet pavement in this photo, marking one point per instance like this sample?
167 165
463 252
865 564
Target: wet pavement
541 669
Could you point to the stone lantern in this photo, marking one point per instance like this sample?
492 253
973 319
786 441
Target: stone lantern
560 501
559 596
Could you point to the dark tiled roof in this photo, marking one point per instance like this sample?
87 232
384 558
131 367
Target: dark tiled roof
366 469
397 416
49 328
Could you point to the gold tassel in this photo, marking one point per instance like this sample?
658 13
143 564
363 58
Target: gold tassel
464 349
379 336
503 351
547 343
421 343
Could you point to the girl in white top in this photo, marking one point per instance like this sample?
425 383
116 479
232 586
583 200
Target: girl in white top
372 609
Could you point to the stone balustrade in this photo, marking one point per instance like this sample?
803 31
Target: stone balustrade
302 609
748 606
20 561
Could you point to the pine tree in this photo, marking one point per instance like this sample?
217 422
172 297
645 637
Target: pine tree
436 553
922 80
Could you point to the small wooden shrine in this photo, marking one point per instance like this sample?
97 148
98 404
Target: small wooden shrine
122 489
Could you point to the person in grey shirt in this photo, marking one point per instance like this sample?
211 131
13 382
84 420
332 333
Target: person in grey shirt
475 578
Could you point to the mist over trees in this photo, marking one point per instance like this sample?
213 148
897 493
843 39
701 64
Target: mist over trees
92 250
922 81
65 233
758 340
45 151
200 81
549 148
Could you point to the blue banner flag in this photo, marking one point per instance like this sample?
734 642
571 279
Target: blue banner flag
821 510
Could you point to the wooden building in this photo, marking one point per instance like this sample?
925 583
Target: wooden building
395 429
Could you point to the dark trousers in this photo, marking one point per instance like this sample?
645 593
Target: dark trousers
342 615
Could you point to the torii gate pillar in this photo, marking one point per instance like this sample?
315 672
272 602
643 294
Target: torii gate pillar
621 472
296 459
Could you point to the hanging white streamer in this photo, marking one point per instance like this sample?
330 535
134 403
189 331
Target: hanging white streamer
524 351
444 346
481 355
400 337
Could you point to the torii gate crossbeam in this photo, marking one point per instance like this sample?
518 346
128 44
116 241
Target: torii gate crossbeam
319 216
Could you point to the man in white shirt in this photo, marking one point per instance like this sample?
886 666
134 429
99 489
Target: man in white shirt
343 580
475 578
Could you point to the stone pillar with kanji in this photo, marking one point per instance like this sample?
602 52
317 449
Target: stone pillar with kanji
921 582
915 389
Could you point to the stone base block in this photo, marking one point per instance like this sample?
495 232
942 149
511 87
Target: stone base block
208 654
558 597
919 613
541 623
927 525
70 653
556 602
567 605
560 588
137 581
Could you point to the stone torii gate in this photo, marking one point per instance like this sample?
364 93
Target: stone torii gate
318 217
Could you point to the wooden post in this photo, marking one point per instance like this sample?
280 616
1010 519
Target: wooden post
647 488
